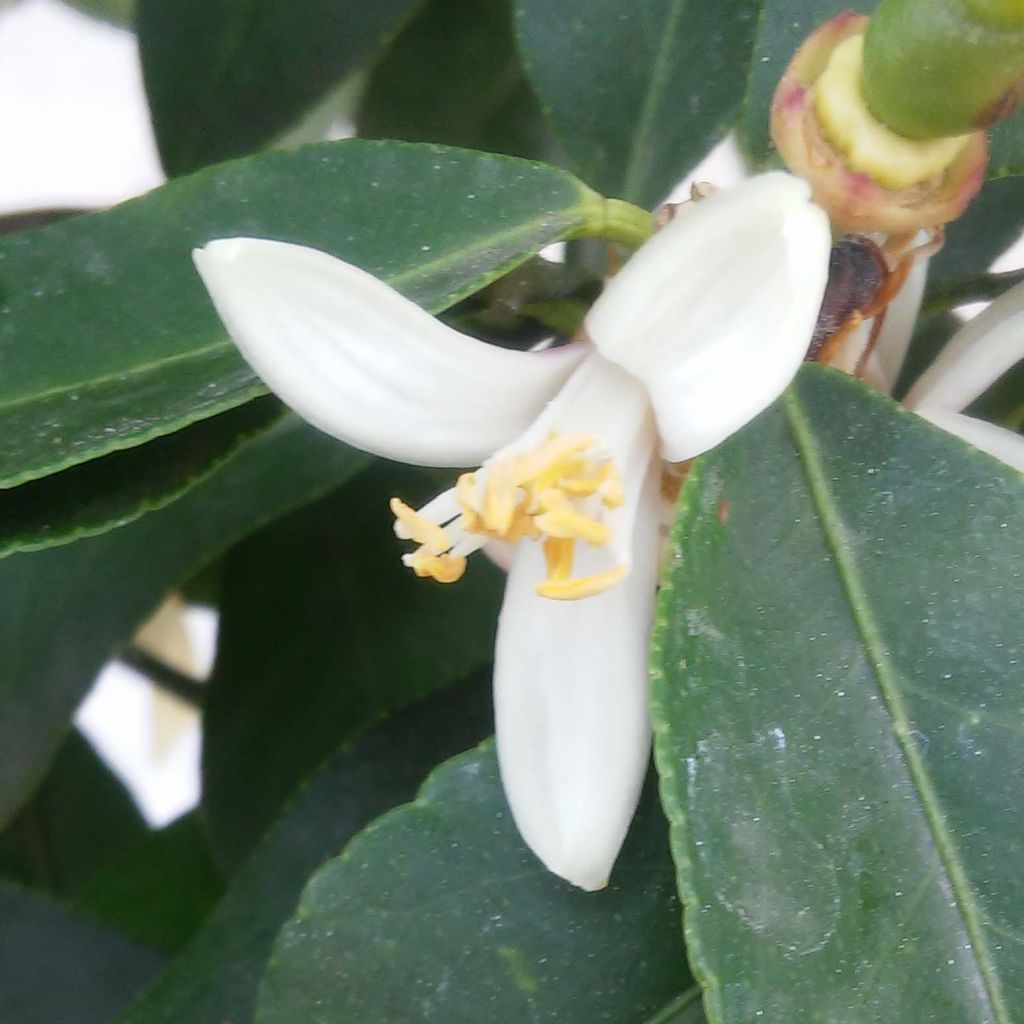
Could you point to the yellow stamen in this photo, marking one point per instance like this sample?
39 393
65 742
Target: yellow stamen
499 505
583 586
551 454
558 555
560 519
420 529
443 568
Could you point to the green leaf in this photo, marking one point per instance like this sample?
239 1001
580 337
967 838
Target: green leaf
474 94
63 611
58 969
80 819
443 895
838 721
117 12
782 27
1006 155
114 490
989 226
637 96
357 636
160 890
107 336
214 980
224 77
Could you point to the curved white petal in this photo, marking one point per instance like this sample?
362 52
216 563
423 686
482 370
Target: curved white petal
887 359
715 313
361 362
977 356
570 682
998 442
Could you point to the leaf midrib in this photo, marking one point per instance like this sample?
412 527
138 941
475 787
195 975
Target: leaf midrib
653 96
887 677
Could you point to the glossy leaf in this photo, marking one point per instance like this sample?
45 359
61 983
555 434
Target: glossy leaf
224 77
491 932
357 636
114 490
1006 156
108 339
159 890
473 94
58 969
63 611
838 720
79 820
214 979
638 95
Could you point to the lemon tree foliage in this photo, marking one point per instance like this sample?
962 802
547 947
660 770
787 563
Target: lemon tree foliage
829 831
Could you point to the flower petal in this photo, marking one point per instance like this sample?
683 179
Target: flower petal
998 442
570 688
360 361
715 313
977 356
890 352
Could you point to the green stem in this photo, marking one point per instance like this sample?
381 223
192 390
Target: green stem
935 68
615 220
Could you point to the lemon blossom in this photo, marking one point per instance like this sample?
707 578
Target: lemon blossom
699 332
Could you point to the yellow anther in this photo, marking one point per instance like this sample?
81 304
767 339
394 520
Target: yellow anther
550 455
465 493
611 490
558 554
560 519
499 505
419 529
583 586
443 568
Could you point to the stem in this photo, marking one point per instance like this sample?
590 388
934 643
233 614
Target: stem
174 682
615 220
935 68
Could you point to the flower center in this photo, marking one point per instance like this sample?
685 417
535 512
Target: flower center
557 494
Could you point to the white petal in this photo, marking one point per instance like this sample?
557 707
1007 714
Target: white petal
998 442
570 687
978 355
361 362
887 359
715 313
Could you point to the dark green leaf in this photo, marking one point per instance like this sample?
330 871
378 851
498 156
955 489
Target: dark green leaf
782 27
838 717
108 339
118 12
159 891
57 969
224 77
323 630
78 820
214 980
637 94
116 489
443 895
1006 156
63 611
990 225
474 94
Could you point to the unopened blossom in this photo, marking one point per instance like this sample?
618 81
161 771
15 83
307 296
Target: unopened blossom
699 332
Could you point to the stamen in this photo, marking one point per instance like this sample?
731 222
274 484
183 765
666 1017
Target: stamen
411 525
556 494
583 586
560 519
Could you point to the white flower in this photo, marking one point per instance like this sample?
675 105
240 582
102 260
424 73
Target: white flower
702 329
